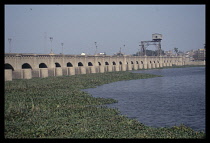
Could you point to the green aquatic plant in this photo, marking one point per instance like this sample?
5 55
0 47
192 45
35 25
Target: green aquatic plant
55 107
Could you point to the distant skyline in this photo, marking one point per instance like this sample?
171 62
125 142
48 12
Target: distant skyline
78 27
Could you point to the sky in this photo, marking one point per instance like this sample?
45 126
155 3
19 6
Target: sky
78 27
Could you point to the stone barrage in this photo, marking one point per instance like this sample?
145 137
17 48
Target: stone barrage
27 66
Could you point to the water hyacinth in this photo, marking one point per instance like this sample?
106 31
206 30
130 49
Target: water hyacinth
55 107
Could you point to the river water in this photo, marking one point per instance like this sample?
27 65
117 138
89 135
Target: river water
176 98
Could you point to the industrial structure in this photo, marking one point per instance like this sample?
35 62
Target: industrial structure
156 40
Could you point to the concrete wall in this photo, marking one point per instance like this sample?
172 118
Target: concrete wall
35 73
195 63
17 74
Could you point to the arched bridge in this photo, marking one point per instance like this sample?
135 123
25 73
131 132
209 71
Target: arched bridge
26 66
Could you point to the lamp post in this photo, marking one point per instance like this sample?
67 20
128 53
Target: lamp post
96 48
124 47
9 39
51 38
62 47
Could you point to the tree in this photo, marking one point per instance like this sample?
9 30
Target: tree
176 50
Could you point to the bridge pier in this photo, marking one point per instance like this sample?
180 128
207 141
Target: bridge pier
82 70
160 65
58 71
71 70
135 67
157 65
43 72
93 69
141 66
8 75
124 67
145 66
149 66
153 65
129 67
109 68
117 68
101 69
164 64
26 74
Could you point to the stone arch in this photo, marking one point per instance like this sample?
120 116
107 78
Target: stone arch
137 62
90 64
131 62
120 63
150 62
106 63
69 64
142 62
80 64
42 65
99 63
8 66
57 65
154 61
26 66
113 63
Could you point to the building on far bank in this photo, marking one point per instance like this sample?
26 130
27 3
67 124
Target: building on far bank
196 55
190 55
169 53
201 54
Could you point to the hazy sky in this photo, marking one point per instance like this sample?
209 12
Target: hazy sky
111 26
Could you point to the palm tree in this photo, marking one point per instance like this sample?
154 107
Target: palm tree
176 50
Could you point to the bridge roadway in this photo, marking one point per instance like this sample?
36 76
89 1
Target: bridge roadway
27 66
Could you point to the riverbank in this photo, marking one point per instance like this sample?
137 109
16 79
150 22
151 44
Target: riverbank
175 66
55 107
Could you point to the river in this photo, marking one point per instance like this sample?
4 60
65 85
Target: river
176 98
